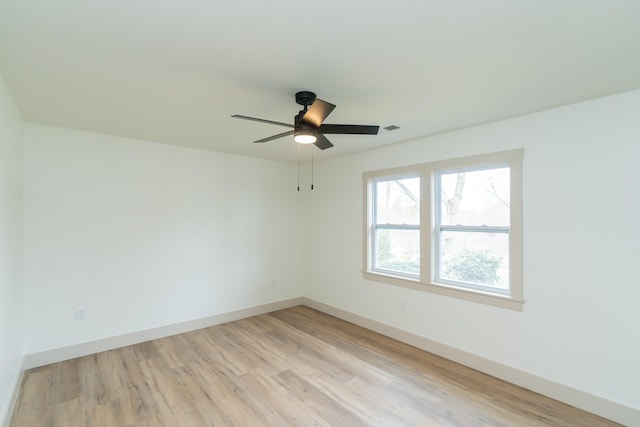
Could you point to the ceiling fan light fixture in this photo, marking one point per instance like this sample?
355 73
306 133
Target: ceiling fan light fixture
308 125
305 136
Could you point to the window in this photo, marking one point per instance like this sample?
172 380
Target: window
396 226
471 232
452 227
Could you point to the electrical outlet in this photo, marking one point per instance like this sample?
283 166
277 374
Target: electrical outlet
79 314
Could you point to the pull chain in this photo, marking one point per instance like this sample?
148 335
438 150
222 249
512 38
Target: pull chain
312 171
298 167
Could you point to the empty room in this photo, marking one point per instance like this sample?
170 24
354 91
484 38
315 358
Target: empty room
419 213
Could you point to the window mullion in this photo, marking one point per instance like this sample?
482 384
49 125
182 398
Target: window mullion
426 222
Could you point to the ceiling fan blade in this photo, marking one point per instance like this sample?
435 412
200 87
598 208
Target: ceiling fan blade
317 112
238 116
349 129
322 142
271 138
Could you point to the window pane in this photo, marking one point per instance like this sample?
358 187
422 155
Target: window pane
480 197
398 250
478 258
398 201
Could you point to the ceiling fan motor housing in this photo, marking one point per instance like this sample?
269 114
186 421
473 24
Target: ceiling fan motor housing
305 128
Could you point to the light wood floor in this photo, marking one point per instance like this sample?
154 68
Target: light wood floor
291 367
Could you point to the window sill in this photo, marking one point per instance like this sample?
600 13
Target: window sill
450 291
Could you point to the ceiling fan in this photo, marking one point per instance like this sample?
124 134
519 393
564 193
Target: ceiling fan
307 125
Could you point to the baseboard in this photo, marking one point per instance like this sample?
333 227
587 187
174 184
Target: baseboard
42 358
7 411
595 404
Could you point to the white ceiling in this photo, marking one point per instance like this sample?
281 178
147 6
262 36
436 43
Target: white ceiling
175 71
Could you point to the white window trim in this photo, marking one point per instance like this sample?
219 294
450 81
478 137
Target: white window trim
515 299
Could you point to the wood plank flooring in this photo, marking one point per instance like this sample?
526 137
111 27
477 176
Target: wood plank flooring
295 367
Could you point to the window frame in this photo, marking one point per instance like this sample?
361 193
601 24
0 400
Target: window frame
513 298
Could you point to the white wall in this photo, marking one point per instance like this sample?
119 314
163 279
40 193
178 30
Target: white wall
581 323
141 235
10 247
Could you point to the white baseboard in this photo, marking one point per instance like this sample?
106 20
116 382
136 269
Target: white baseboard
14 391
42 358
595 404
